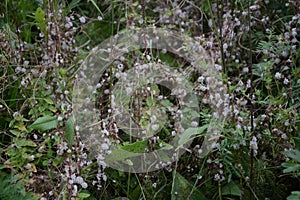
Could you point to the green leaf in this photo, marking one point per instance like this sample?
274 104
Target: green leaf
293 154
82 195
294 196
49 101
136 147
44 123
231 189
182 189
121 155
3 166
69 133
39 17
21 142
290 167
127 151
185 137
15 132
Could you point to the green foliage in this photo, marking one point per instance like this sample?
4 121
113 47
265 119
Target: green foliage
182 189
44 123
12 187
42 45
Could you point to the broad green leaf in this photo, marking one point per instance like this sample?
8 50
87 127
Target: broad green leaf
231 189
45 123
182 189
69 131
188 133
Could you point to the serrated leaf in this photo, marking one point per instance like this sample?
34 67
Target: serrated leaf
44 123
69 131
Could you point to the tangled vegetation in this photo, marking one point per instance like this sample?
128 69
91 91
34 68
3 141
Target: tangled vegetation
254 46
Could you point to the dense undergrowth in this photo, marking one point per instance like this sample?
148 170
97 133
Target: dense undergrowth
255 46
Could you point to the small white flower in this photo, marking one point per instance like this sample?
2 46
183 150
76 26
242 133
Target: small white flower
104 146
104 177
253 145
287 123
154 185
28 166
148 57
128 90
155 127
79 180
100 18
284 136
217 177
82 19
203 88
84 185
286 81
200 79
153 119
59 118
194 124
278 75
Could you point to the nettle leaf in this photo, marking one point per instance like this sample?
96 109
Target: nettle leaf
182 189
231 189
44 123
69 131
188 133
